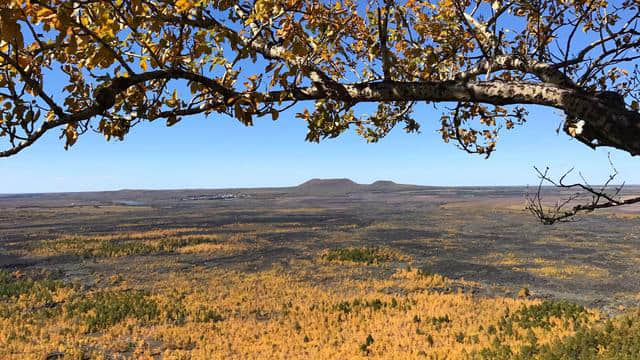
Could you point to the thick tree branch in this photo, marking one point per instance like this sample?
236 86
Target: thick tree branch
601 125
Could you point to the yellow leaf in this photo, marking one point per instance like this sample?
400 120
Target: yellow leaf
184 5
71 134
143 64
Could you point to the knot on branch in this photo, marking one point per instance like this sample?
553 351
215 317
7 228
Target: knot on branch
613 99
105 97
602 119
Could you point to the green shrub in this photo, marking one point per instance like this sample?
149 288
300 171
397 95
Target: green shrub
540 315
116 249
615 339
101 310
12 286
438 321
497 351
204 315
365 347
375 304
368 255
170 244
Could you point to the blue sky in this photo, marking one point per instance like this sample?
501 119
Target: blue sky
220 152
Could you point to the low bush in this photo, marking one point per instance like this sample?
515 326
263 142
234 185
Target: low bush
104 309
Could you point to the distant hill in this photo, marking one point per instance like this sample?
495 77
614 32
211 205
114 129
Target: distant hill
328 186
343 186
383 184
328 183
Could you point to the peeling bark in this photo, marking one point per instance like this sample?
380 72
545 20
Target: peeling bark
605 123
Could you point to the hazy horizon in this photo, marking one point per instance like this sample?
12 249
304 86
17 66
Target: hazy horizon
294 185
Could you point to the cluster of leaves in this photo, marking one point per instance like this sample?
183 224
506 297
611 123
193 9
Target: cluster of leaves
470 137
119 57
127 61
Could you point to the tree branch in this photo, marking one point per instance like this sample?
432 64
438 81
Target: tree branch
566 210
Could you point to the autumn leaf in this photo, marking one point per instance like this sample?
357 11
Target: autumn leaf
143 64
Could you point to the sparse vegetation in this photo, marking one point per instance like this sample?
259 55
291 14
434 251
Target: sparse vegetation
249 283
617 338
128 244
365 255
564 270
184 315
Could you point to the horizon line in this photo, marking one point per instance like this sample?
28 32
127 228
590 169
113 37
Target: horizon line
290 186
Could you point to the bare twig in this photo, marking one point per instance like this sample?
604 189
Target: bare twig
566 209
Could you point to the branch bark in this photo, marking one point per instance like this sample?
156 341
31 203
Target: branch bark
601 125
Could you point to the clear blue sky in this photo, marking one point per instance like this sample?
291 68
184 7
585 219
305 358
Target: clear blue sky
220 152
